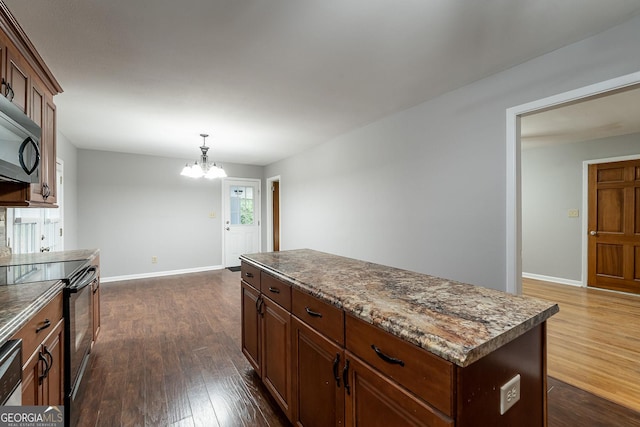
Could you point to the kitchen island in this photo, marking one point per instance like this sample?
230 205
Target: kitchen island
398 347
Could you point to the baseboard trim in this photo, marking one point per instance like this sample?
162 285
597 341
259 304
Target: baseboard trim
553 279
159 274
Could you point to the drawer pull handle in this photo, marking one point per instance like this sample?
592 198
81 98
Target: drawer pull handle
274 290
247 274
48 353
312 313
386 358
44 325
336 374
345 377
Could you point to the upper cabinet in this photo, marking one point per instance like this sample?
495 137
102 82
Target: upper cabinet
31 86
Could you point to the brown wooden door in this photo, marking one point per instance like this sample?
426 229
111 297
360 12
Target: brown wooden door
318 390
275 200
251 327
276 355
53 383
614 226
375 401
31 371
18 78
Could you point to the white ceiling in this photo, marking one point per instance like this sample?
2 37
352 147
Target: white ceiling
598 117
267 79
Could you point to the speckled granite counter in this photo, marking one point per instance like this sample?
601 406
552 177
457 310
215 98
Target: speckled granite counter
19 303
459 322
37 258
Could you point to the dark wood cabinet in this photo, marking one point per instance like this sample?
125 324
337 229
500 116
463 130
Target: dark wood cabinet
32 89
276 352
43 356
251 327
317 378
373 400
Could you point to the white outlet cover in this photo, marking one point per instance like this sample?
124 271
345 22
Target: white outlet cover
509 394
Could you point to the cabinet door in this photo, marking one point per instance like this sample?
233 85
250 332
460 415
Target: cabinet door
53 383
31 383
317 367
251 326
276 355
18 78
374 401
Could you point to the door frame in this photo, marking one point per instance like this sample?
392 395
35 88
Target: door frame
513 173
223 207
585 208
270 182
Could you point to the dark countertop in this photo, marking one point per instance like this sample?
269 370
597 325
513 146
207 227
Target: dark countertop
19 303
459 322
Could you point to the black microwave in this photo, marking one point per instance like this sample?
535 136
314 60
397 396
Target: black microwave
19 145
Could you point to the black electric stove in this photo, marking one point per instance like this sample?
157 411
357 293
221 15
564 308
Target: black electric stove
27 273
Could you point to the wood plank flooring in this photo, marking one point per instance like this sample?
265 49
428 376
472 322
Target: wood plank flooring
594 341
169 355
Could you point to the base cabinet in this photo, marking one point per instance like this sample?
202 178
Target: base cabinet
43 356
373 400
318 384
328 368
266 343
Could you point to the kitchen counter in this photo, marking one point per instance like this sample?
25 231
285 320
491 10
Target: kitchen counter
459 322
19 303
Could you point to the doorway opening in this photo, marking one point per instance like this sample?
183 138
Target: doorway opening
513 181
273 214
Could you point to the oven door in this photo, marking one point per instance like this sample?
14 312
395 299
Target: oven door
79 312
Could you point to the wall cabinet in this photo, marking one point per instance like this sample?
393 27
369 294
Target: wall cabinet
326 368
43 356
28 82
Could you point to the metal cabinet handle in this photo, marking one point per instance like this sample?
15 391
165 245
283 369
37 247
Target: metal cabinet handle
312 313
345 377
274 290
46 368
260 305
386 358
48 353
247 274
336 374
44 325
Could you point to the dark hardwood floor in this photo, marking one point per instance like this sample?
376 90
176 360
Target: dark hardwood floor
169 355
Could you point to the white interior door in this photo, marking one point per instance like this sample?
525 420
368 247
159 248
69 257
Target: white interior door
241 232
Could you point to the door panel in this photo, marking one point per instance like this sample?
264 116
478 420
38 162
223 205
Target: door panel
241 219
251 327
276 341
614 226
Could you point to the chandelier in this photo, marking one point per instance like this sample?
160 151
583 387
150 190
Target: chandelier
205 168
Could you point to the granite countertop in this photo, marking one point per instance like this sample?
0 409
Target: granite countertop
45 257
19 303
459 322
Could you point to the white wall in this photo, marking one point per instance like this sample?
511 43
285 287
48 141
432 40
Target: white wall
551 185
134 207
68 153
425 189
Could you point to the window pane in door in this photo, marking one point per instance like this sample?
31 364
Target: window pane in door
241 205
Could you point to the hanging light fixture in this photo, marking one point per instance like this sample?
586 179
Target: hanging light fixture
205 169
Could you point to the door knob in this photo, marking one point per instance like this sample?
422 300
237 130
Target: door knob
227 228
593 233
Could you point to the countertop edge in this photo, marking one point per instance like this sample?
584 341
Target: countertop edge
470 356
10 328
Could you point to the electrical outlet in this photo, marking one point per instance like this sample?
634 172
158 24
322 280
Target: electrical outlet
574 213
212 214
154 259
509 394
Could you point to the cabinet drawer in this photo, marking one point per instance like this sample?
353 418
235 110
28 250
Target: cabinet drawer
321 316
426 375
36 329
250 274
276 289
